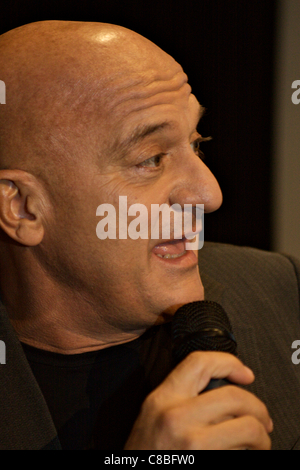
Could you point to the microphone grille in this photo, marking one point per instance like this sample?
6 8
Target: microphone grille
201 326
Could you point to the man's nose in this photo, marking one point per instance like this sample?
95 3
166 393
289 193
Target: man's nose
196 185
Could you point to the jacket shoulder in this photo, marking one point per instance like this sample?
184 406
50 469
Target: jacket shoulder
259 290
226 262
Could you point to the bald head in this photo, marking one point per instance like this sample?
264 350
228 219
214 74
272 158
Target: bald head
61 78
74 91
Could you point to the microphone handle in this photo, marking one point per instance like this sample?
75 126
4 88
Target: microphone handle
216 383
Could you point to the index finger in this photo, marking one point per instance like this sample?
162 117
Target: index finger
193 374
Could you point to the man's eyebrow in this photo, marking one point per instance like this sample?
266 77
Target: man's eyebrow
144 130
141 132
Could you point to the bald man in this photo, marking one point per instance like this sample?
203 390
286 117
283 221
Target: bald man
94 112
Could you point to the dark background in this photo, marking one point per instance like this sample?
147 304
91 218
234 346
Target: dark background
227 49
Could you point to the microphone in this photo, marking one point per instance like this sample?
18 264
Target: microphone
202 326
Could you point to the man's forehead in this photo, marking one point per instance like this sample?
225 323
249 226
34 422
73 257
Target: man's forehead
84 50
71 83
80 61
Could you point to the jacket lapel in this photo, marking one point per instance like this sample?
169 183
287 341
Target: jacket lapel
25 420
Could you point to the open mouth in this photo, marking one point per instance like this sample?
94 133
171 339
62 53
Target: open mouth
172 249
169 256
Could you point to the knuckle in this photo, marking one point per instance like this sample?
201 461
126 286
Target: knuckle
200 362
149 400
193 441
244 399
195 363
152 402
254 428
194 358
256 433
166 417
169 420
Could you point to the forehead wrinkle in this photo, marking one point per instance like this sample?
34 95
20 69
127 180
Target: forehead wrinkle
141 131
137 93
144 86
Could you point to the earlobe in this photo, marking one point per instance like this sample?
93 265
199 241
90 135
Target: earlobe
16 221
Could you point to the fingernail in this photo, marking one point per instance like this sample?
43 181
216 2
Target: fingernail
271 425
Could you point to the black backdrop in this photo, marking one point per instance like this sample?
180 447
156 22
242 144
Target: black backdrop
226 47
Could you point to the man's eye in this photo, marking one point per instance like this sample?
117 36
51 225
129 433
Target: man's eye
196 147
152 162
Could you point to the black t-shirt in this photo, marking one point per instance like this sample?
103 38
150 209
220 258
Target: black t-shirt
95 397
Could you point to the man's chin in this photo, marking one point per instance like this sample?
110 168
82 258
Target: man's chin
192 295
170 311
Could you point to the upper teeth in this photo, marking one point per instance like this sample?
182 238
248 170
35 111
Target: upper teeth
168 256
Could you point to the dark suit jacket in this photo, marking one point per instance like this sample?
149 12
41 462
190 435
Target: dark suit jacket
260 293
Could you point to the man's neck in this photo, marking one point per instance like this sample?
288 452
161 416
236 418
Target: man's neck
50 317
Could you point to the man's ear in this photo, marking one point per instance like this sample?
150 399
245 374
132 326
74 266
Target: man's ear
21 207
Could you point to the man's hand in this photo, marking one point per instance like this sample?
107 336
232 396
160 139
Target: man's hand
175 417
